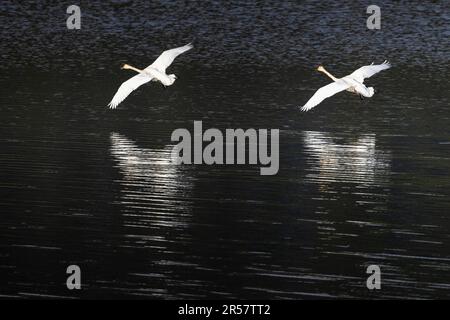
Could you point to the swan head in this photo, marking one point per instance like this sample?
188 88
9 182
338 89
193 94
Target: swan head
320 68
126 66
371 91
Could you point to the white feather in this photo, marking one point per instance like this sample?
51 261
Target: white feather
166 58
352 83
325 92
157 70
368 71
127 87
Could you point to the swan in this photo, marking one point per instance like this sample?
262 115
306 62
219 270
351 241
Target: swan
154 72
352 83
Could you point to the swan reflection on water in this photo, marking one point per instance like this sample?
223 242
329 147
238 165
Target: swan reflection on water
358 161
155 191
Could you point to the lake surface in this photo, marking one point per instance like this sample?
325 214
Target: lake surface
360 182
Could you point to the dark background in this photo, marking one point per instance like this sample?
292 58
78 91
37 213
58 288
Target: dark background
360 182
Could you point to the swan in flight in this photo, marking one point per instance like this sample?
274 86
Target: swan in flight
352 83
154 72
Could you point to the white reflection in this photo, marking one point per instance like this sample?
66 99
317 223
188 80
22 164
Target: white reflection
155 191
356 160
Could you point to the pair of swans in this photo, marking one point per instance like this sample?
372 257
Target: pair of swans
157 72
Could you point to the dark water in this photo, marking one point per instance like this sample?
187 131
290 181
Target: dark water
360 182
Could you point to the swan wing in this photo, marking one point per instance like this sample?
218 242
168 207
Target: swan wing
368 71
166 58
127 87
325 92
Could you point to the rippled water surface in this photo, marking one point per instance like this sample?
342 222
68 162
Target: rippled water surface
360 182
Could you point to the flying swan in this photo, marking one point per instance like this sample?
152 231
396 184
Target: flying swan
352 83
154 72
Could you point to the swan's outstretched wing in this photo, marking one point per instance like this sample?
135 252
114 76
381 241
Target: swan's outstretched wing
368 71
325 92
166 58
127 87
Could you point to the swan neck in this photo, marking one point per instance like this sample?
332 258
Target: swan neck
329 75
136 69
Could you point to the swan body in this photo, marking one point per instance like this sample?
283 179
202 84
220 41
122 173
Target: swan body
352 83
154 72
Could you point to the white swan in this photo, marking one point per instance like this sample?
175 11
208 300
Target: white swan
154 72
352 83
